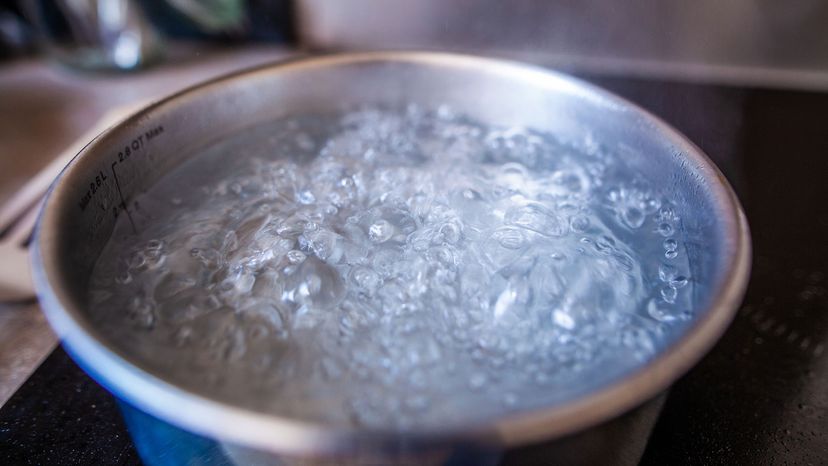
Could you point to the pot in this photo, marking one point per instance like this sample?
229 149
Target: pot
173 425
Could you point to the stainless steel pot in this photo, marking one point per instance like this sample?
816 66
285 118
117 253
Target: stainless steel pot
102 181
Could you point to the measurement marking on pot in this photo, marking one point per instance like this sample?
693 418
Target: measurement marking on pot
154 132
134 146
94 186
123 202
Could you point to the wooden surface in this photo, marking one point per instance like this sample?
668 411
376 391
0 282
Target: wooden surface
25 340
43 109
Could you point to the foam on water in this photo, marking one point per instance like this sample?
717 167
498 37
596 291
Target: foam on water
396 269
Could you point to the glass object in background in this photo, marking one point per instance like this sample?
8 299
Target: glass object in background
15 34
95 34
213 15
225 21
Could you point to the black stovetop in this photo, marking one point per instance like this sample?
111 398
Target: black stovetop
761 395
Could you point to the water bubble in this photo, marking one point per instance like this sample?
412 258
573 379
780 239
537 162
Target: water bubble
138 261
244 283
624 261
515 144
505 300
472 195
380 231
510 303
305 196
633 217
257 332
295 256
209 258
509 238
571 181
668 294
293 226
670 248
665 229
659 313
562 319
651 205
667 272
477 381
449 232
250 228
605 245
579 223
366 280
142 312
442 255
228 344
123 278
536 218
666 214
325 244
154 245
183 336
679 281
384 261
230 242
314 284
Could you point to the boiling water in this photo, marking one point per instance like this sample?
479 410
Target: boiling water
396 269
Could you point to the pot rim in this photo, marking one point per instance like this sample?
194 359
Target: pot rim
273 433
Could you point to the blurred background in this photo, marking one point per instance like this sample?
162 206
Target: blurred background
746 80
763 41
